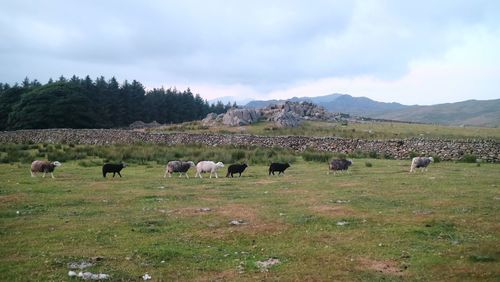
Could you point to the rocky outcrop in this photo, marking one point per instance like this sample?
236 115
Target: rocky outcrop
238 117
486 149
212 119
288 114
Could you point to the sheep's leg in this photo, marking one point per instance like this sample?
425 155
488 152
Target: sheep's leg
52 174
32 174
114 173
186 174
44 174
119 174
216 176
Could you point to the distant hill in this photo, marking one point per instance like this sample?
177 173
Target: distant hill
472 112
338 103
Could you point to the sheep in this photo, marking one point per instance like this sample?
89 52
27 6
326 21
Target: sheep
339 165
236 168
44 166
280 167
208 166
420 162
178 166
114 168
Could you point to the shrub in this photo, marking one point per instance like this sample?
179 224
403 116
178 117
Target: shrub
437 159
468 158
368 164
238 155
316 156
413 155
373 154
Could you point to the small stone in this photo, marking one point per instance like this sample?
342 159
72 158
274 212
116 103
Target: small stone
265 265
236 222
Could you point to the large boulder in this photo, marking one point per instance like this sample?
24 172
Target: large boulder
237 117
286 119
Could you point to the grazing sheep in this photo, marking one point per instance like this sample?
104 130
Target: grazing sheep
178 166
114 168
420 162
44 166
235 168
280 167
208 166
339 165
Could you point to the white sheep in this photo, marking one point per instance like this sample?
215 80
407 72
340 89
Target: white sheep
420 162
208 166
44 166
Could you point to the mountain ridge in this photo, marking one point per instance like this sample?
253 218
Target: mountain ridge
484 113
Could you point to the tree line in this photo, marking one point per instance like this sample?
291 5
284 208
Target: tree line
100 103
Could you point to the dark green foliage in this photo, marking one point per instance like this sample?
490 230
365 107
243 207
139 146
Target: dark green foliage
436 158
316 156
469 158
84 103
368 164
482 258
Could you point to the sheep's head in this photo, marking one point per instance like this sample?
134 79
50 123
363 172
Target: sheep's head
191 164
219 164
287 165
57 164
431 159
124 164
244 165
350 162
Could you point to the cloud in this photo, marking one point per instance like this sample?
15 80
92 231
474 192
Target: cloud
258 48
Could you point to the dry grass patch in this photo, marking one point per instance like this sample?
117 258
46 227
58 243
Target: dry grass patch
228 275
12 198
390 267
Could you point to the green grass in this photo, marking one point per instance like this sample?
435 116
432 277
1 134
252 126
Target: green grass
365 130
439 225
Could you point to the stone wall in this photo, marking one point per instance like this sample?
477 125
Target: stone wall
488 150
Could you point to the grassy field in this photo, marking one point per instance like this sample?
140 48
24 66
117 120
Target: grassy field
365 130
377 223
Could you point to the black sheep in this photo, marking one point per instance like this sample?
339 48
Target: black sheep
280 167
235 168
114 168
339 165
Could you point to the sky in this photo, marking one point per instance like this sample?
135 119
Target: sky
412 52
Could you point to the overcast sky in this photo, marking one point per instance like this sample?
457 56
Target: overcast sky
412 52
